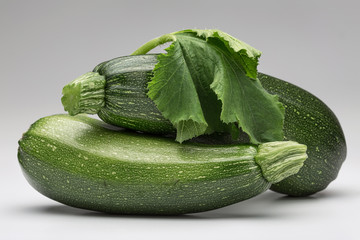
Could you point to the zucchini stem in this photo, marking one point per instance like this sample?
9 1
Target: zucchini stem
85 94
154 43
280 159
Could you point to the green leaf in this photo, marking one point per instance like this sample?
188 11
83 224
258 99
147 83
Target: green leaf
207 83
249 56
174 93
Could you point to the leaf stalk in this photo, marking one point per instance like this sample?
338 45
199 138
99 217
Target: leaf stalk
154 43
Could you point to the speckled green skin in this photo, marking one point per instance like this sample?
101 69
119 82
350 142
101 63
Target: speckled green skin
83 162
308 121
126 102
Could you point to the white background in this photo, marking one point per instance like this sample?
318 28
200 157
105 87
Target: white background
46 44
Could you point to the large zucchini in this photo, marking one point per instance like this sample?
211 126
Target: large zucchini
85 163
119 98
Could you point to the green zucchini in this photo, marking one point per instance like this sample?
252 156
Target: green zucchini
116 91
308 121
85 163
123 102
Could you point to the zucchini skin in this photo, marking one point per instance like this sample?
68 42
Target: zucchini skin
85 163
126 102
307 119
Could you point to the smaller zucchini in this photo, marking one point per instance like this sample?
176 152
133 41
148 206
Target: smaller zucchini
116 91
85 163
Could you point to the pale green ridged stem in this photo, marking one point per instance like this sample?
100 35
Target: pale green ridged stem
280 159
85 94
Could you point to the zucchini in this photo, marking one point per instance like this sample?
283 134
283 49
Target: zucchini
123 102
116 91
308 121
85 163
